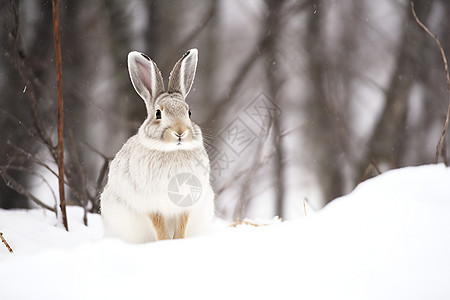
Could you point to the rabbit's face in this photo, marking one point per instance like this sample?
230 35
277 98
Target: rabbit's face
175 120
171 126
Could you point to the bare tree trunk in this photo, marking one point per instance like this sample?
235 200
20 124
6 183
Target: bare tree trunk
78 75
324 136
387 144
25 64
209 57
60 106
119 45
11 89
272 63
431 76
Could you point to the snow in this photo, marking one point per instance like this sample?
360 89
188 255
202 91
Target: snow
388 239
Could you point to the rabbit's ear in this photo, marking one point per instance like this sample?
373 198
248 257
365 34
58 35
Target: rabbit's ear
146 77
182 75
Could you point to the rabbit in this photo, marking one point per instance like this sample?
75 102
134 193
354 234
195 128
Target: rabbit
140 202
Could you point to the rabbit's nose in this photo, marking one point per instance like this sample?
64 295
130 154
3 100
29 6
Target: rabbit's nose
179 134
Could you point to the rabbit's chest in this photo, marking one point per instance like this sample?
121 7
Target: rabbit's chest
157 182
155 172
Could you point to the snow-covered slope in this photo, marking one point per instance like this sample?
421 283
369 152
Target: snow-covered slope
388 239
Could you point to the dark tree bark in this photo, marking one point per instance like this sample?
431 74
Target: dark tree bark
60 112
387 144
327 161
274 80
12 88
25 63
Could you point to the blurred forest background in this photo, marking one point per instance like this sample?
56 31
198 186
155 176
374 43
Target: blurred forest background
297 99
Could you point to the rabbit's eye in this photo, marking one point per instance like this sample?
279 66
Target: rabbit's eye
158 114
189 112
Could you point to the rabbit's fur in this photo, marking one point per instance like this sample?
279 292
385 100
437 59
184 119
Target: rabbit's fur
135 203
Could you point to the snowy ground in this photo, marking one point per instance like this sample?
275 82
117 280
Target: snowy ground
388 239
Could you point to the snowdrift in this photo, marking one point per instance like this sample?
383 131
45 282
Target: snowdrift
388 239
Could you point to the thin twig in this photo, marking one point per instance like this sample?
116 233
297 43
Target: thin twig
16 120
62 196
262 161
309 204
32 157
304 206
82 172
447 75
41 163
96 151
444 151
192 35
100 179
256 165
100 184
372 165
6 243
34 173
230 182
13 184
246 66
24 70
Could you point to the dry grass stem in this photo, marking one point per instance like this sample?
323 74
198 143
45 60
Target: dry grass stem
238 222
304 206
6 243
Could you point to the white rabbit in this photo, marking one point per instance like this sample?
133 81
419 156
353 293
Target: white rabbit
140 202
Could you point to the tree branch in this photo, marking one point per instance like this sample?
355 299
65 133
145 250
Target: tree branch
447 76
18 59
82 172
32 157
191 36
42 177
220 105
372 165
13 118
13 184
